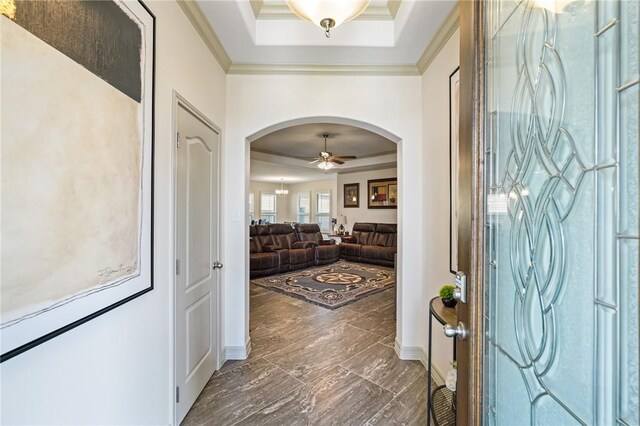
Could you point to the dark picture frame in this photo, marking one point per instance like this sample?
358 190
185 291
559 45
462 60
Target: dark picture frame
351 195
382 193
126 77
454 141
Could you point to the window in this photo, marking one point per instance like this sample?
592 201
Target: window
252 207
304 208
323 211
268 208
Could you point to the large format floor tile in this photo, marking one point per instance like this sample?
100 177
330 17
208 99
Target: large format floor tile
240 392
380 365
309 365
339 398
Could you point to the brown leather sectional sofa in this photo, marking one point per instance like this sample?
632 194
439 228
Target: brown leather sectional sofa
375 243
326 251
278 247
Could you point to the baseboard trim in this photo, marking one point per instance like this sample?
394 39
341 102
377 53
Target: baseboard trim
418 353
237 352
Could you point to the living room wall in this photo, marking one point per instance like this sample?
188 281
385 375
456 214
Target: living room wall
312 188
117 368
362 213
283 212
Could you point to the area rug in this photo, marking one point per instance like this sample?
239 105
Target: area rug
331 286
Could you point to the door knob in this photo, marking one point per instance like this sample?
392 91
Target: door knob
460 331
216 265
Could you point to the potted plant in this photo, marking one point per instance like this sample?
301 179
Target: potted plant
446 294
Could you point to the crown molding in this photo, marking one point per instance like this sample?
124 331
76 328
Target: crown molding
446 30
324 69
199 21
393 6
203 27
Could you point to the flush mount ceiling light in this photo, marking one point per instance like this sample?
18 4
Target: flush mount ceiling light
327 14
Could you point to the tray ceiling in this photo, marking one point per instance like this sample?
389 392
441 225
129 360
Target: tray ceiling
388 33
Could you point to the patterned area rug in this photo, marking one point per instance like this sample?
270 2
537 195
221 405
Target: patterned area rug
333 285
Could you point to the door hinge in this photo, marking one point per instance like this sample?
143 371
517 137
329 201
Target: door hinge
177 394
177 266
178 139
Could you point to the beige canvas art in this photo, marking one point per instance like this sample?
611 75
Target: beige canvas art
71 178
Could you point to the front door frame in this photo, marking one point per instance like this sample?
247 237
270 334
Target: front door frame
471 209
178 102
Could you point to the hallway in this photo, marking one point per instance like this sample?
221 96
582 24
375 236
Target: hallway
310 365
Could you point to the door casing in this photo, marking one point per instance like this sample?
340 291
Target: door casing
178 102
471 210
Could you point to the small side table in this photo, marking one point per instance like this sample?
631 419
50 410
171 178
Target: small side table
440 402
336 237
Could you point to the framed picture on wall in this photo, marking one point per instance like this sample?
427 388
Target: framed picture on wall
382 193
77 145
454 139
351 195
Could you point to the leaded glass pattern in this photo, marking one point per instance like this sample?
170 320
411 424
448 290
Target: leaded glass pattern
562 232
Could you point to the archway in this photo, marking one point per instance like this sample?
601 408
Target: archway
342 121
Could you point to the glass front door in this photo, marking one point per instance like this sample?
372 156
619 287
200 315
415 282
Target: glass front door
561 223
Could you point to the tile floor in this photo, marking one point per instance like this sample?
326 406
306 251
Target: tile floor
312 366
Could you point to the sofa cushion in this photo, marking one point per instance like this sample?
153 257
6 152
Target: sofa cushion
286 240
350 249
327 252
387 228
381 240
371 252
363 237
387 253
309 232
261 261
364 227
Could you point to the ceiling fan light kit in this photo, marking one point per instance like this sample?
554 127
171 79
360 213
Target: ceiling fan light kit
326 160
327 14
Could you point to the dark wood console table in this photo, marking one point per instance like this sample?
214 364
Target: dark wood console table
440 401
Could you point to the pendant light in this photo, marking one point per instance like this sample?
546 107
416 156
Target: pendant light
327 14
282 192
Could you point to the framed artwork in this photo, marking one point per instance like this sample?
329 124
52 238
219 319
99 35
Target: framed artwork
383 193
351 195
454 139
77 164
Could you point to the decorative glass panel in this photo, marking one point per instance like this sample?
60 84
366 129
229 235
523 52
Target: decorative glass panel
561 240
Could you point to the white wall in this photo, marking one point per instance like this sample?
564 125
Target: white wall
393 104
283 212
435 132
362 213
116 369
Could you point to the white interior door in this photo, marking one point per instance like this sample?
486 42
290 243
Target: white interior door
196 257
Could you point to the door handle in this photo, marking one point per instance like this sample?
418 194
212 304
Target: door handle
461 331
216 265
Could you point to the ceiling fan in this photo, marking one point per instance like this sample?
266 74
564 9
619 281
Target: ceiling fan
326 159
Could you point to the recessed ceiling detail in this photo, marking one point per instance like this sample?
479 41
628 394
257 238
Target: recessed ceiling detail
288 151
386 34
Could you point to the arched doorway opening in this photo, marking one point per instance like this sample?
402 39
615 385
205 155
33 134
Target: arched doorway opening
332 121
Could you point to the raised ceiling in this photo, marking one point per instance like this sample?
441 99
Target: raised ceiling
286 153
265 32
305 141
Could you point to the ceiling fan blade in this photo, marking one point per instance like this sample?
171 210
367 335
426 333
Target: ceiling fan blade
345 157
333 160
315 161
